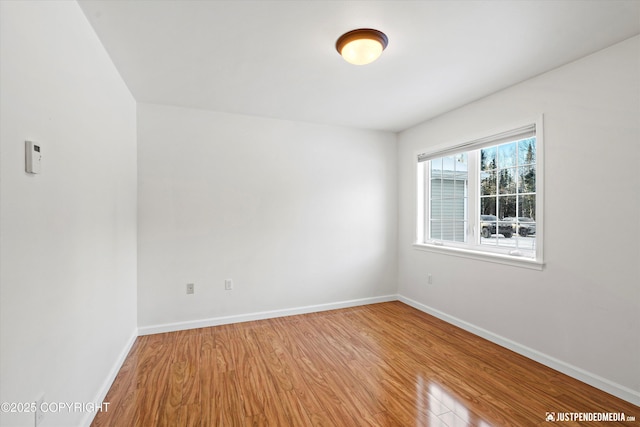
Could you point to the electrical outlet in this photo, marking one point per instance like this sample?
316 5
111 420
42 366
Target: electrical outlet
39 415
430 279
190 288
228 284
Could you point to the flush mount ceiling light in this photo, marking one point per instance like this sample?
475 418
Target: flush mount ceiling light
362 46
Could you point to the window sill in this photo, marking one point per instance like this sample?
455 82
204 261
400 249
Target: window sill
482 256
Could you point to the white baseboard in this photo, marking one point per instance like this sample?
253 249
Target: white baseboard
596 381
102 393
237 318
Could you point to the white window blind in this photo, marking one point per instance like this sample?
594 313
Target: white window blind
511 135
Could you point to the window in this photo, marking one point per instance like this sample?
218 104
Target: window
484 198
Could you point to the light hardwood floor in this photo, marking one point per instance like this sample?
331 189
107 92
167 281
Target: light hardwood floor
378 365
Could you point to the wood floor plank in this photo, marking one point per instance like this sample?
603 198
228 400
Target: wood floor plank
169 409
228 401
379 365
286 328
260 387
207 379
153 368
188 352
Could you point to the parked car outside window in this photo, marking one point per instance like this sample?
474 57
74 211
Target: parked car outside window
489 223
522 225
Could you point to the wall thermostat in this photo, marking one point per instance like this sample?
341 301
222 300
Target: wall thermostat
33 156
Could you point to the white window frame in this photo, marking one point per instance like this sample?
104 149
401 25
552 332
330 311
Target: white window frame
472 248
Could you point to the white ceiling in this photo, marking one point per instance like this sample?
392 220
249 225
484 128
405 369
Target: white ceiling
278 59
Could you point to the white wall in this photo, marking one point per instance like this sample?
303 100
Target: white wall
68 236
584 308
296 214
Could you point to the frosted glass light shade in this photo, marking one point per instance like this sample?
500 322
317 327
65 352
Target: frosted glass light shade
362 46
